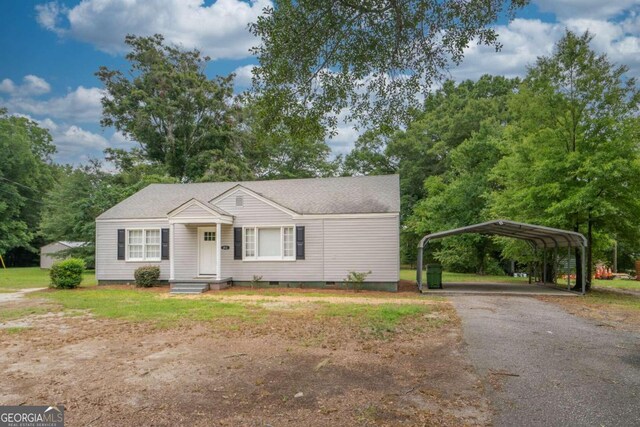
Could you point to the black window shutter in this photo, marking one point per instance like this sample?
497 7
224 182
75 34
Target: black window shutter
165 243
121 237
237 242
300 242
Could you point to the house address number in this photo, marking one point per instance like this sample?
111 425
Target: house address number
225 247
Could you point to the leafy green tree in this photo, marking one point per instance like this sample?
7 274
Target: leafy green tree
26 173
285 147
368 157
374 57
571 157
181 118
83 193
451 115
458 198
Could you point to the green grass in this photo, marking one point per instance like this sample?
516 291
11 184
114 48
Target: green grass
15 329
148 306
608 298
406 274
296 292
380 318
448 277
618 284
141 305
33 277
11 313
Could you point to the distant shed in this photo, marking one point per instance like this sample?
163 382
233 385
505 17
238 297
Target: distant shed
47 252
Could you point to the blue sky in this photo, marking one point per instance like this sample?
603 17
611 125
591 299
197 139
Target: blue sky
51 50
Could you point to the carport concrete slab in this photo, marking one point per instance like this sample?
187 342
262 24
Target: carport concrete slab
521 289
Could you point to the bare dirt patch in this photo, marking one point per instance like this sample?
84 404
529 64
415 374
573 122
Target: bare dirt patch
608 309
289 368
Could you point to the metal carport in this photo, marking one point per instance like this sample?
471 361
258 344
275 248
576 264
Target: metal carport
538 236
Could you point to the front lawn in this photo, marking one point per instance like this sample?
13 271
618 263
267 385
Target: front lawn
155 306
33 277
119 354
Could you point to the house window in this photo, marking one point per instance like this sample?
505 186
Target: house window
143 244
250 243
209 236
269 243
288 240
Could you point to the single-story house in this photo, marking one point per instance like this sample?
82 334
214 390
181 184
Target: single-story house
47 252
292 232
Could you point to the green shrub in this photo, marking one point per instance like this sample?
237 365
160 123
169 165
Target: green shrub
356 279
147 276
67 274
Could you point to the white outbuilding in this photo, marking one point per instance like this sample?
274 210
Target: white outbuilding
47 252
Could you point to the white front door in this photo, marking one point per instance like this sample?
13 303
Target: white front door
207 251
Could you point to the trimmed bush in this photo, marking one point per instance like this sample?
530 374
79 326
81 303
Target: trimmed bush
67 274
146 276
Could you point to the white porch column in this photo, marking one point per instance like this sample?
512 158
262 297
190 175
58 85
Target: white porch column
171 252
218 249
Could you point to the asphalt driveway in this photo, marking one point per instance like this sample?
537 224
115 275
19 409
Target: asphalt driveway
545 367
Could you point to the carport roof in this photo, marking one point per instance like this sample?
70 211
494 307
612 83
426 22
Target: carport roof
538 235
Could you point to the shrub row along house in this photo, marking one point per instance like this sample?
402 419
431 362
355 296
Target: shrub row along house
296 232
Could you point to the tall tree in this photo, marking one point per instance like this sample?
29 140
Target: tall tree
25 175
371 57
450 116
180 117
83 193
284 146
572 157
458 198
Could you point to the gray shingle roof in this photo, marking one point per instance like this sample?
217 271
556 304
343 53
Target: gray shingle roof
343 195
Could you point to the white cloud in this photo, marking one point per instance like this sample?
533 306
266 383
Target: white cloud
219 30
601 9
75 145
31 86
243 76
7 86
48 16
346 135
79 105
524 40
619 40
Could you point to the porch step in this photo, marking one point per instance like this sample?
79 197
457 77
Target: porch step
219 286
189 288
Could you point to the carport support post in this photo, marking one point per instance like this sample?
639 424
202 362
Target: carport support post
584 270
569 267
419 267
544 265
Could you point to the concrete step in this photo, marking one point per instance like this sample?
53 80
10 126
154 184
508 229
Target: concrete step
188 288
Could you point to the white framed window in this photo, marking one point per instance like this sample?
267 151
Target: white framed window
143 244
269 243
288 242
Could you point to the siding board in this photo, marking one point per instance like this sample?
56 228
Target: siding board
108 267
362 245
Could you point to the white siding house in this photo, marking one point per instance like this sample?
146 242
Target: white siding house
299 232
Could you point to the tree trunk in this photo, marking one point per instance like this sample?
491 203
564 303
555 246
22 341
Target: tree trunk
578 255
589 252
